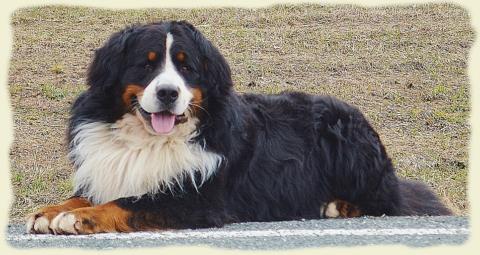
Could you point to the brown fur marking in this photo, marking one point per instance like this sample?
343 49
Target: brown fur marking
181 56
51 211
130 91
152 56
347 210
196 100
103 218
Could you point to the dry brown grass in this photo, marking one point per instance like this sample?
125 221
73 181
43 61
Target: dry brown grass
404 67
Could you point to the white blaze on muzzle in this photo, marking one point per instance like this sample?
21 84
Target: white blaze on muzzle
168 78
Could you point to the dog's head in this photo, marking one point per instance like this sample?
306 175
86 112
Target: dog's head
164 73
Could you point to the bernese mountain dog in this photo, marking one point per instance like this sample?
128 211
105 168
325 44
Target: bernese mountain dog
160 140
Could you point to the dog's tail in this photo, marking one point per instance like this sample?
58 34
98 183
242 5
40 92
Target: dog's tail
417 198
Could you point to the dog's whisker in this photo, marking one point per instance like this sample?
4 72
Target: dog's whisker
200 107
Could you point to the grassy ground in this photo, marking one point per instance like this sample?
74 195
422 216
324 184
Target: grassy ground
404 67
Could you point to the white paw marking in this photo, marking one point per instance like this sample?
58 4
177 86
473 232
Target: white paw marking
30 222
41 225
64 223
331 211
37 225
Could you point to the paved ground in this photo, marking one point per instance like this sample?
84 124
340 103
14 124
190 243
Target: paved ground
411 231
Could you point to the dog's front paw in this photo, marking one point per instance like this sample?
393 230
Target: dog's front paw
39 222
65 223
90 220
79 221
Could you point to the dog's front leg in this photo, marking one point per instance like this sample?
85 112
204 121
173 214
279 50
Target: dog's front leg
103 218
158 212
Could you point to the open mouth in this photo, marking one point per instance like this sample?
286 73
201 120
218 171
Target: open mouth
162 122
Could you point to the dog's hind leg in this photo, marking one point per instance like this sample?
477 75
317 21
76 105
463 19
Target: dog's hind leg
339 209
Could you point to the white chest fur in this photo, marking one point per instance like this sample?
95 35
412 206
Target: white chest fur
122 159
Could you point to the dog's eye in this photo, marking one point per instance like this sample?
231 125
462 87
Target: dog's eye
148 67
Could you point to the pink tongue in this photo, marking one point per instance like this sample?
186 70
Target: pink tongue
163 122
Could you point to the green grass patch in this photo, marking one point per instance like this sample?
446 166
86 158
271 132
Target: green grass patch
17 177
53 92
460 101
414 112
439 90
56 92
57 69
65 186
15 89
39 185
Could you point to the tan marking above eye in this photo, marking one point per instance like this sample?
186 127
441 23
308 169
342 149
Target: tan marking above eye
152 56
181 56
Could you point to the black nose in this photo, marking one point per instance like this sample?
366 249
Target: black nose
167 95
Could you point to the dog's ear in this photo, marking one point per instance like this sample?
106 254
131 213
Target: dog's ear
108 61
216 69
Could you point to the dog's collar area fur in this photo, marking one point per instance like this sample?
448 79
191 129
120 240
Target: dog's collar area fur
122 159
